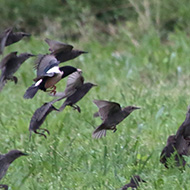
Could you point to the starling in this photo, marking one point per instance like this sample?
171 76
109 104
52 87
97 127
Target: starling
39 117
63 52
9 37
9 65
111 114
134 183
6 160
48 74
75 90
176 149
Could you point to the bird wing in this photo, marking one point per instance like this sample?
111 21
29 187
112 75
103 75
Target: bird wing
4 39
107 108
44 61
7 58
57 47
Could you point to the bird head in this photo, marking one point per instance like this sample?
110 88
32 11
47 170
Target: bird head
14 154
130 109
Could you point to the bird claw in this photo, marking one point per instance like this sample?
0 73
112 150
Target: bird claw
77 108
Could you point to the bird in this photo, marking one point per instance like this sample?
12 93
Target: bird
176 149
39 117
75 90
9 37
10 64
111 114
63 52
134 183
48 74
6 160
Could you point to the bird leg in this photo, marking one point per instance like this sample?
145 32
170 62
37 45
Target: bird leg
53 90
114 129
5 187
44 130
40 134
13 78
75 107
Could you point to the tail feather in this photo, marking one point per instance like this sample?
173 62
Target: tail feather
99 132
2 83
31 91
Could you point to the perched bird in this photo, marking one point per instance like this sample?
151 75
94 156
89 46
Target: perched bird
75 90
9 37
134 183
111 114
175 149
63 52
6 160
9 65
48 74
39 117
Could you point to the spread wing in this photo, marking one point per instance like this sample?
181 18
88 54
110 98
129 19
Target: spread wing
57 47
43 62
4 61
106 108
3 38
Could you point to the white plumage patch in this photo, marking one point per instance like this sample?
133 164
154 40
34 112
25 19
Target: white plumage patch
38 82
54 70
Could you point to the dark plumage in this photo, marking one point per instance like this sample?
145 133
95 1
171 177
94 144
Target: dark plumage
111 114
6 160
75 90
48 74
9 37
39 117
175 149
63 52
10 64
134 183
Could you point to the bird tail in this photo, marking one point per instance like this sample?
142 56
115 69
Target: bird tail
31 91
99 132
2 82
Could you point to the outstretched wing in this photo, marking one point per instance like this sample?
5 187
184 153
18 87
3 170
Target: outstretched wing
107 108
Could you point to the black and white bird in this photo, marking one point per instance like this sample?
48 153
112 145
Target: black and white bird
48 74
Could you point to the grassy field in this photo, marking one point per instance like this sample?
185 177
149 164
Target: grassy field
153 75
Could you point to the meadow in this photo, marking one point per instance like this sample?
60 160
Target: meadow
152 74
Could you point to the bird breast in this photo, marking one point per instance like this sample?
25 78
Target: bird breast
53 80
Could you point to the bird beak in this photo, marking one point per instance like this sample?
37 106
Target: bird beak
25 154
95 85
135 108
84 52
79 70
32 55
27 34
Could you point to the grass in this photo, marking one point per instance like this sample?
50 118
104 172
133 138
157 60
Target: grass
153 75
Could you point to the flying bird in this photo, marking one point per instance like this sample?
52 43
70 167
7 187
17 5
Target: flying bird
6 160
9 65
48 74
9 37
63 52
75 90
39 117
134 183
111 114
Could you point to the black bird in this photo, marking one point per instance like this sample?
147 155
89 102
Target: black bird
39 117
6 160
48 74
134 183
175 149
75 90
10 64
63 52
111 114
9 37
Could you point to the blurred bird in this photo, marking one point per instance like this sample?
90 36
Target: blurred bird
6 160
176 149
48 74
134 183
9 37
75 90
111 114
63 52
39 117
10 64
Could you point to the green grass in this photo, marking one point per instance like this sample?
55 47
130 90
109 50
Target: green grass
153 76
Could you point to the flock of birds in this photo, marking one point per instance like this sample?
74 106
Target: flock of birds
48 74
